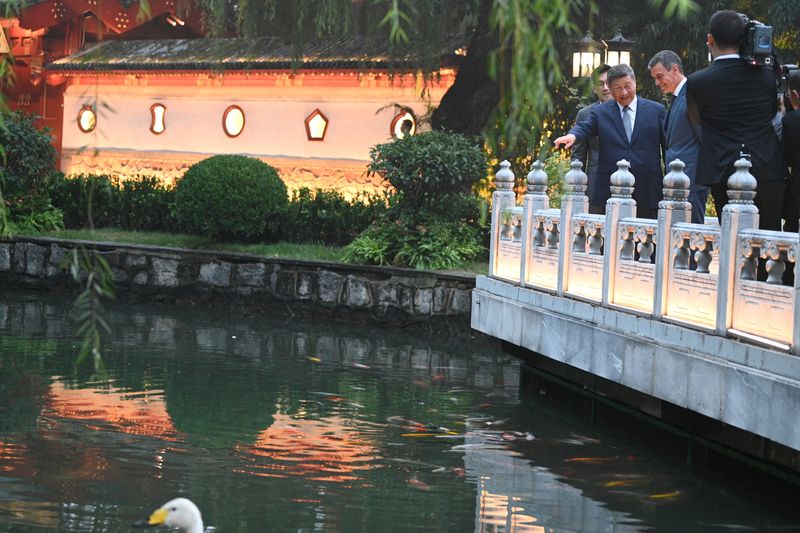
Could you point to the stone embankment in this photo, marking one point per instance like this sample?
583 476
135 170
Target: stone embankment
250 282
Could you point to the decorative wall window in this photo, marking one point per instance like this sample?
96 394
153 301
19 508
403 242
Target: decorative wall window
87 119
316 126
404 123
233 121
157 113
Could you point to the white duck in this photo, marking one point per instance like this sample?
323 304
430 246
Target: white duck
179 513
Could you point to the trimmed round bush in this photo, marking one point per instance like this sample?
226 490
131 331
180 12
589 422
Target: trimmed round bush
231 197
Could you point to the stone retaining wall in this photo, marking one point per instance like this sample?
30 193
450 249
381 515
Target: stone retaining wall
392 295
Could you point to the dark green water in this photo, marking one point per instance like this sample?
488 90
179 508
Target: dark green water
286 425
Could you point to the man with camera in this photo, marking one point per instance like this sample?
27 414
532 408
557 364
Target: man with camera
735 102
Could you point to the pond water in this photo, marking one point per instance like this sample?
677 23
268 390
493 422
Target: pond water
292 425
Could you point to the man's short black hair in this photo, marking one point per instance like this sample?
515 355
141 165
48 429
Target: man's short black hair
667 58
794 80
599 71
727 27
620 71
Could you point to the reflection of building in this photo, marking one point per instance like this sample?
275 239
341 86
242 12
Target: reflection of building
329 449
137 415
126 98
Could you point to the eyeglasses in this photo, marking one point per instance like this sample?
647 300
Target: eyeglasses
600 84
628 87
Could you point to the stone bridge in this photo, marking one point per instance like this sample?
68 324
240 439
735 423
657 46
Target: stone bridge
667 315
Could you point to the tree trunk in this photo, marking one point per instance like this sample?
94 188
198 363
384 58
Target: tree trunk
468 104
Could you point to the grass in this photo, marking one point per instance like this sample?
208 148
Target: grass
289 250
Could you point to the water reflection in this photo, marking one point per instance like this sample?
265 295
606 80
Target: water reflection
292 426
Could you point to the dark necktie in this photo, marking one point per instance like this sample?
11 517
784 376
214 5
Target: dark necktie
626 122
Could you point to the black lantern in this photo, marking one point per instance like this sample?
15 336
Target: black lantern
618 50
585 57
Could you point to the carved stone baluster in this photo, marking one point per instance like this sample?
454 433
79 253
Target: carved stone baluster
739 213
573 201
535 200
702 256
681 246
776 262
750 254
595 238
551 232
538 231
502 198
578 237
674 208
621 205
626 251
645 246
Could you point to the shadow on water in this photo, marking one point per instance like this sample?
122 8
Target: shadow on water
293 425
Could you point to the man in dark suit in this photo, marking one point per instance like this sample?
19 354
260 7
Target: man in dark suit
735 103
627 127
588 152
681 136
791 149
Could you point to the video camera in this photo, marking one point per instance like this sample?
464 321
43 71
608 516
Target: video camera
756 45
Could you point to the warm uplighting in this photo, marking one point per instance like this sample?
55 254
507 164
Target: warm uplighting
403 124
618 50
233 121
316 126
157 112
585 57
509 244
87 119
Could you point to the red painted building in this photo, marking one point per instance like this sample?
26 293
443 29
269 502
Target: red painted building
46 31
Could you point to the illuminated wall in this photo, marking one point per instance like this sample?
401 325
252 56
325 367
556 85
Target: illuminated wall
360 110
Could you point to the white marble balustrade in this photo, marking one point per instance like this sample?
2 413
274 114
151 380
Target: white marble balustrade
703 276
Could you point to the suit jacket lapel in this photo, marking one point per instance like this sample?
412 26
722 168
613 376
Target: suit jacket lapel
675 109
616 118
640 106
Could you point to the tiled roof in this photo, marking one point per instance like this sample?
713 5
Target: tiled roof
240 54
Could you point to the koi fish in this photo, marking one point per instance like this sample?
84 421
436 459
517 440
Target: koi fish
590 460
314 359
665 495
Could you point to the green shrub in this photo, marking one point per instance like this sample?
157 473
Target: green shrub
327 217
146 204
29 156
231 197
424 242
429 167
71 195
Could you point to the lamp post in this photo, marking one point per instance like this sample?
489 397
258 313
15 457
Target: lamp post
585 56
618 50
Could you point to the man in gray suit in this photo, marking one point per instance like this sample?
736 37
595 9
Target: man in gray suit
682 136
587 151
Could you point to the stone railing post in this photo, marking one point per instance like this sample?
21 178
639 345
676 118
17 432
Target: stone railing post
503 197
621 205
675 207
574 200
535 199
739 213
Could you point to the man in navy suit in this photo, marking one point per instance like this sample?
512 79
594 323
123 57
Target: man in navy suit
681 136
735 103
588 152
627 127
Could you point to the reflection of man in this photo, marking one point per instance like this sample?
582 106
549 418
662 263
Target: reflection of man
587 152
735 103
627 127
791 149
682 138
